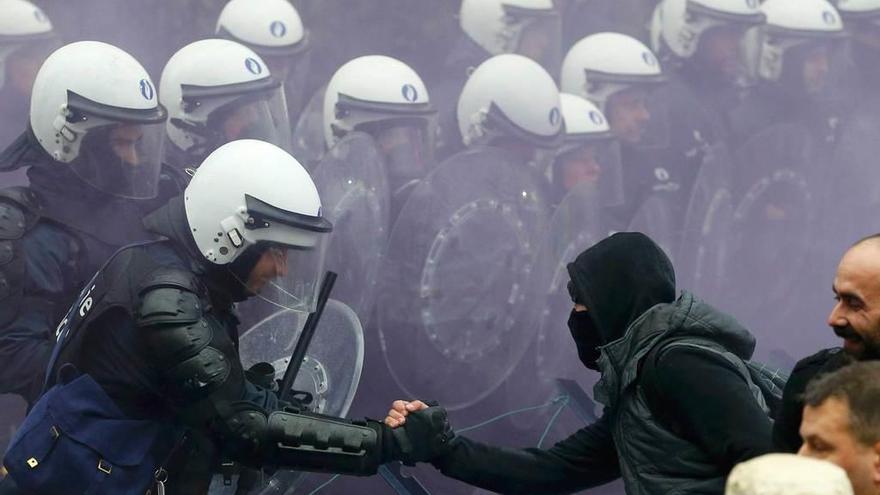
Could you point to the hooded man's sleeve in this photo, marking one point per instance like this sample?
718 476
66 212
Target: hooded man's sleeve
586 459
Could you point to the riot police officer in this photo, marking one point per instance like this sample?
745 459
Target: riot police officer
385 98
589 154
94 148
216 91
620 75
791 58
861 19
523 117
26 39
700 42
531 28
155 331
274 30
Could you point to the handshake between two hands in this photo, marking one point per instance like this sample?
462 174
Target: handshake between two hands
400 409
421 431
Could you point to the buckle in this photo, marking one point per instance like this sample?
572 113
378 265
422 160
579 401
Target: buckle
104 467
55 432
32 463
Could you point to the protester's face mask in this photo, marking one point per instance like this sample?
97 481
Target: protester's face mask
586 338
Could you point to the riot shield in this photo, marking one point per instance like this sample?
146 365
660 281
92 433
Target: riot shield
574 227
656 218
701 255
453 312
354 195
772 230
331 370
308 143
854 180
328 378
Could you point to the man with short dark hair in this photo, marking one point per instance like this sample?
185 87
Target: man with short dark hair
842 423
855 318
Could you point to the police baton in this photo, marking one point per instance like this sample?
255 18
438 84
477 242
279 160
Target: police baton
305 337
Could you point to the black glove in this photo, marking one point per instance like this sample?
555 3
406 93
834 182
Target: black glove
425 436
263 375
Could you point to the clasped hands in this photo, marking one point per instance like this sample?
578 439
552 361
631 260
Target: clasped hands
421 430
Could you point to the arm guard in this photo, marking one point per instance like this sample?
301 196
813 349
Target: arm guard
197 359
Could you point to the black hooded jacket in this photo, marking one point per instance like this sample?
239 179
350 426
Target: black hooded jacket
692 392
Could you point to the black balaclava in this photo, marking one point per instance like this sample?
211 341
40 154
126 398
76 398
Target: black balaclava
618 279
226 282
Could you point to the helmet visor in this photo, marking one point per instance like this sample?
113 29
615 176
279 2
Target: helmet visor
291 248
595 161
292 70
407 146
261 116
121 159
288 277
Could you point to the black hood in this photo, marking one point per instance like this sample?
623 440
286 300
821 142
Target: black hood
223 281
620 278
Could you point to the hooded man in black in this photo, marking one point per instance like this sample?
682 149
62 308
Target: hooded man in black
674 380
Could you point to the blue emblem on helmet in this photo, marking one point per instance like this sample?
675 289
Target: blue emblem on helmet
597 117
147 90
555 117
649 58
829 17
752 4
410 93
253 66
278 29
40 16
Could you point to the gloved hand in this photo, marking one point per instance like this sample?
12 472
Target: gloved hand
263 376
425 435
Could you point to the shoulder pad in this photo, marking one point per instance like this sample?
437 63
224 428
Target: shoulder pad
20 209
169 296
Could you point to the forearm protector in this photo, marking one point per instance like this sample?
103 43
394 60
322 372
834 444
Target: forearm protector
319 443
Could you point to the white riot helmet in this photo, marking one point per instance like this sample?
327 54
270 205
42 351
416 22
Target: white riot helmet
589 151
584 122
510 97
678 25
23 27
527 27
95 108
603 64
250 194
859 11
272 28
218 91
373 90
791 24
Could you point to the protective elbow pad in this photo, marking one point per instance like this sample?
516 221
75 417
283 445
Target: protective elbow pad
323 444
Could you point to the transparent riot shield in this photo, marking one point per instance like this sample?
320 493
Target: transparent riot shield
453 311
351 181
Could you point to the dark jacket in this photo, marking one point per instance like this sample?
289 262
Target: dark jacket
71 229
786 428
695 398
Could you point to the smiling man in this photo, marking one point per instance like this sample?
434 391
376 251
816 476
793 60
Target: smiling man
855 318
